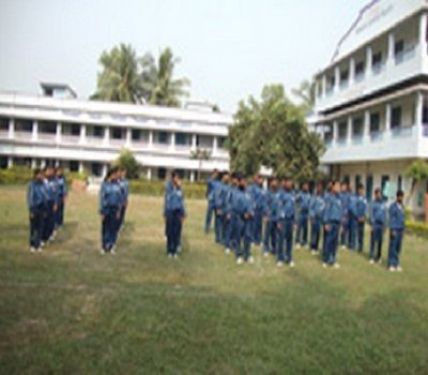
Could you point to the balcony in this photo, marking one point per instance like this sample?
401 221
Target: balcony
70 139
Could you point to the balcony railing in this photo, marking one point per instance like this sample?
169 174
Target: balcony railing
378 68
4 134
139 143
407 54
425 130
342 141
70 139
116 142
376 136
357 139
402 131
46 136
23 135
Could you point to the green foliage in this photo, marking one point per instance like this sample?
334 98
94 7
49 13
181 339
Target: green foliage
119 80
128 161
77 176
127 78
306 93
15 175
417 228
272 132
157 188
158 85
418 170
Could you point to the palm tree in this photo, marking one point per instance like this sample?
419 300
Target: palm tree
158 85
200 155
119 79
417 171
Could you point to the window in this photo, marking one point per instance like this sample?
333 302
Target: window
346 179
24 125
425 115
181 139
75 129
47 127
98 131
395 117
116 133
342 130
74 166
344 76
383 185
161 173
97 169
357 126
4 124
330 83
135 134
221 142
374 122
399 183
399 47
359 69
163 138
377 61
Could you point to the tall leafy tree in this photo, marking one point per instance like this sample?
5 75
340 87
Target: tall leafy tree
306 94
119 79
159 85
272 132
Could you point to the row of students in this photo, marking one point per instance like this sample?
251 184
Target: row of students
113 201
246 215
46 197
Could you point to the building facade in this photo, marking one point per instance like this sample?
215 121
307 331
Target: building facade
88 135
372 99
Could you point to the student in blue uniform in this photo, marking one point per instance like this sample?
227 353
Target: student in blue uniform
331 220
358 213
36 200
377 221
286 224
124 187
62 195
327 195
244 210
396 232
174 214
211 184
303 199
218 207
51 207
229 218
316 211
345 198
271 214
258 196
110 205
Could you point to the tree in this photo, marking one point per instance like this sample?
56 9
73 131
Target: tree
417 171
200 155
128 161
159 86
120 79
272 132
306 93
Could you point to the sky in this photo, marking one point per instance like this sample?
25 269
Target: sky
229 49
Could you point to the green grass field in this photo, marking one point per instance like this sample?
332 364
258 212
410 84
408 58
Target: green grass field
70 310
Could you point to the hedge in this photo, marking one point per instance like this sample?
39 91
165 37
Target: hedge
417 228
15 175
157 188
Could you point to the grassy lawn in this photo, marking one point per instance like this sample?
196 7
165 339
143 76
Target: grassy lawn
72 311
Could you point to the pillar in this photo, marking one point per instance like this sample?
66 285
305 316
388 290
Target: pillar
194 141
11 133
391 48
172 141
336 78
388 109
150 138
58 132
324 84
149 174
106 140
33 163
366 128
215 144
81 167
35 130
82 133
351 70
369 58
419 108
349 132
128 137
335 132
10 162
104 170
423 25
192 176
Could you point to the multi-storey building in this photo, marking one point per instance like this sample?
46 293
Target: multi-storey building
88 135
372 99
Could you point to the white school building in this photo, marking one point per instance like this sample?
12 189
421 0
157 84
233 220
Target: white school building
372 98
88 135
